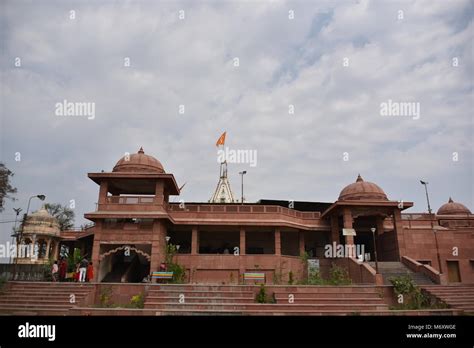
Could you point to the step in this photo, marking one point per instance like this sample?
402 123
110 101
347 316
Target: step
49 287
330 300
36 312
41 295
36 305
270 313
258 306
190 293
35 301
210 300
323 289
368 295
197 287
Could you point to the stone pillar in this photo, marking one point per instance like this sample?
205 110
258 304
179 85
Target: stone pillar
301 242
159 193
347 218
335 229
242 242
48 246
194 242
104 189
96 259
56 249
277 241
242 258
398 228
34 250
378 240
158 243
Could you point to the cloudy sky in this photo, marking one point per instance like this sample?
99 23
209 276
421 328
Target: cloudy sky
333 62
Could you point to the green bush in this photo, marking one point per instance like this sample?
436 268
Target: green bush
413 298
106 297
262 296
338 276
138 301
290 278
314 278
179 273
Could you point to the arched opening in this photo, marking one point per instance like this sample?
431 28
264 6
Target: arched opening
124 263
42 248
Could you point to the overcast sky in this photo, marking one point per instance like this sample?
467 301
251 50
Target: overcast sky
334 61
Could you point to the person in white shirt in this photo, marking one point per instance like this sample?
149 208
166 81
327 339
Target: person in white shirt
83 270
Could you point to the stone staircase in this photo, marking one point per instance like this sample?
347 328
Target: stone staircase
456 296
240 300
395 269
41 298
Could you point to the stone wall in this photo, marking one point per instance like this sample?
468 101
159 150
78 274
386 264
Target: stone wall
24 271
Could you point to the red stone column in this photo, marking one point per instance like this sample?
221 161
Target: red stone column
158 243
335 229
301 242
95 258
398 227
378 241
159 192
242 257
347 218
194 242
104 189
277 241
242 242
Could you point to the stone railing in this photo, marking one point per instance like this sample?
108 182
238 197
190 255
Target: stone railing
360 272
130 199
430 272
246 208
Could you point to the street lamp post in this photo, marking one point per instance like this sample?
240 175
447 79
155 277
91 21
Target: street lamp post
426 191
25 216
375 250
17 211
242 191
432 226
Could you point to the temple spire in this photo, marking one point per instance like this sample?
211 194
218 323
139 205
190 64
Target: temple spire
223 193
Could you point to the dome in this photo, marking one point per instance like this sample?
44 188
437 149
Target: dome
362 190
453 208
41 222
139 162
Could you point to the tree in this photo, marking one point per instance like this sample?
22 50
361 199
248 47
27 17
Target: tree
6 189
63 214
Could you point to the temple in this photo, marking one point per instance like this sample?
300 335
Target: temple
221 240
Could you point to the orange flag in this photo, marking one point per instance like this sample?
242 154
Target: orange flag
221 139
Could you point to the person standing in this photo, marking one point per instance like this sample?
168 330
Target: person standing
54 271
62 269
83 270
90 272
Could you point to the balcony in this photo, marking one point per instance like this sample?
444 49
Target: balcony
264 215
130 199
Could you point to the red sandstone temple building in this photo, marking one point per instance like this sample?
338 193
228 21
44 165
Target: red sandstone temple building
219 242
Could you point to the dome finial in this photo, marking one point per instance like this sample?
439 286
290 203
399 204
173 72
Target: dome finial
450 200
141 150
359 178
